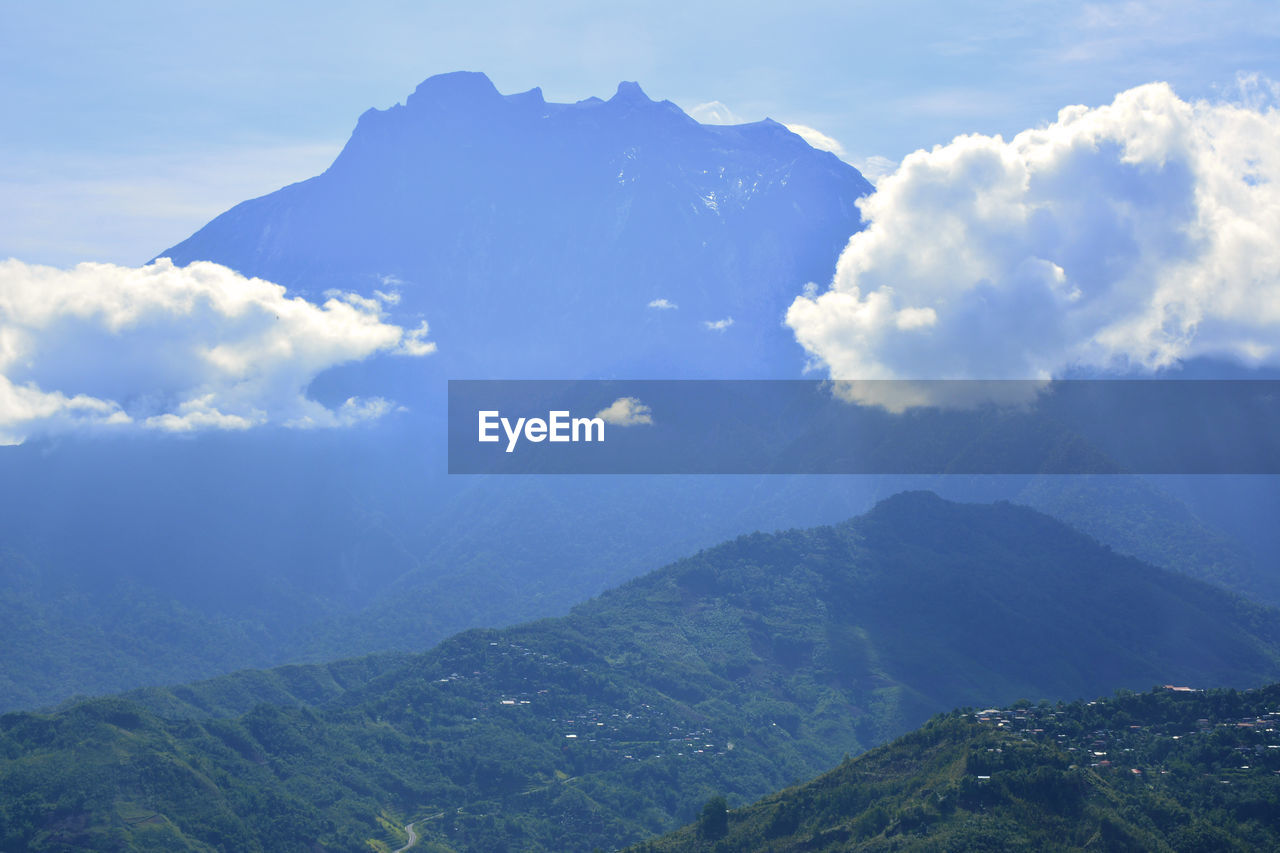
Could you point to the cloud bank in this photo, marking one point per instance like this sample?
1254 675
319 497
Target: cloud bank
1129 236
176 349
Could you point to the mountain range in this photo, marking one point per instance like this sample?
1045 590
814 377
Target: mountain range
533 238
735 671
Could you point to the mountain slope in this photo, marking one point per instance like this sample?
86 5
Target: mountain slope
739 670
1168 770
532 236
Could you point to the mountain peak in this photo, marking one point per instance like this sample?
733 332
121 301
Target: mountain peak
911 502
453 87
630 92
428 189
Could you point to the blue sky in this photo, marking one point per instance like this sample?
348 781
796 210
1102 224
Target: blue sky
1134 232
128 125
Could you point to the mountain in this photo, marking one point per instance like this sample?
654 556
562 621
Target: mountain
736 671
1173 769
533 236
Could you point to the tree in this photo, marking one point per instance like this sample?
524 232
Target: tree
713 823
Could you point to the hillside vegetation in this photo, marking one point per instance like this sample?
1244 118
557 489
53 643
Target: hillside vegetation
1158 771
736 671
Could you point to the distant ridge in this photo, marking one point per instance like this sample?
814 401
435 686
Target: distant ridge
738 670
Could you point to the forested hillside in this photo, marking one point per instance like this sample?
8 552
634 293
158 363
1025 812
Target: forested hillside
1173 769
736 671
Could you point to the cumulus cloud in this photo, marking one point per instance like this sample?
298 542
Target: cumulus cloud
898 395
626 411
718 325
663 304
817 138
177 349
1128 236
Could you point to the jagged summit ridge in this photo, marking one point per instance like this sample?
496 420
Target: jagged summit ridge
455 86
534 236
465 92
477 86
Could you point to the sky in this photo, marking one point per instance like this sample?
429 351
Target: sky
129 125
1060 186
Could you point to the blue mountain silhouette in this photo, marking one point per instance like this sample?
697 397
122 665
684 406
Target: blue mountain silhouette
533 236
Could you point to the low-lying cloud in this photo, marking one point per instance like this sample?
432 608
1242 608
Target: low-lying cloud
1126 237
177 349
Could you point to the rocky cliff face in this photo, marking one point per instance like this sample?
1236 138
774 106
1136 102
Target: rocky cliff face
616 237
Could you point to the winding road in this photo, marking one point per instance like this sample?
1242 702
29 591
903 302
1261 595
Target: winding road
413 838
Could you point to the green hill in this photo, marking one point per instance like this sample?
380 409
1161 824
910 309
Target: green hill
737 671
1158 771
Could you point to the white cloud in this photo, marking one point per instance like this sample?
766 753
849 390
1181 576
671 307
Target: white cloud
176 349
415 342
663 304
899 395
626 411
714 112
817 139
1133 235
718 325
